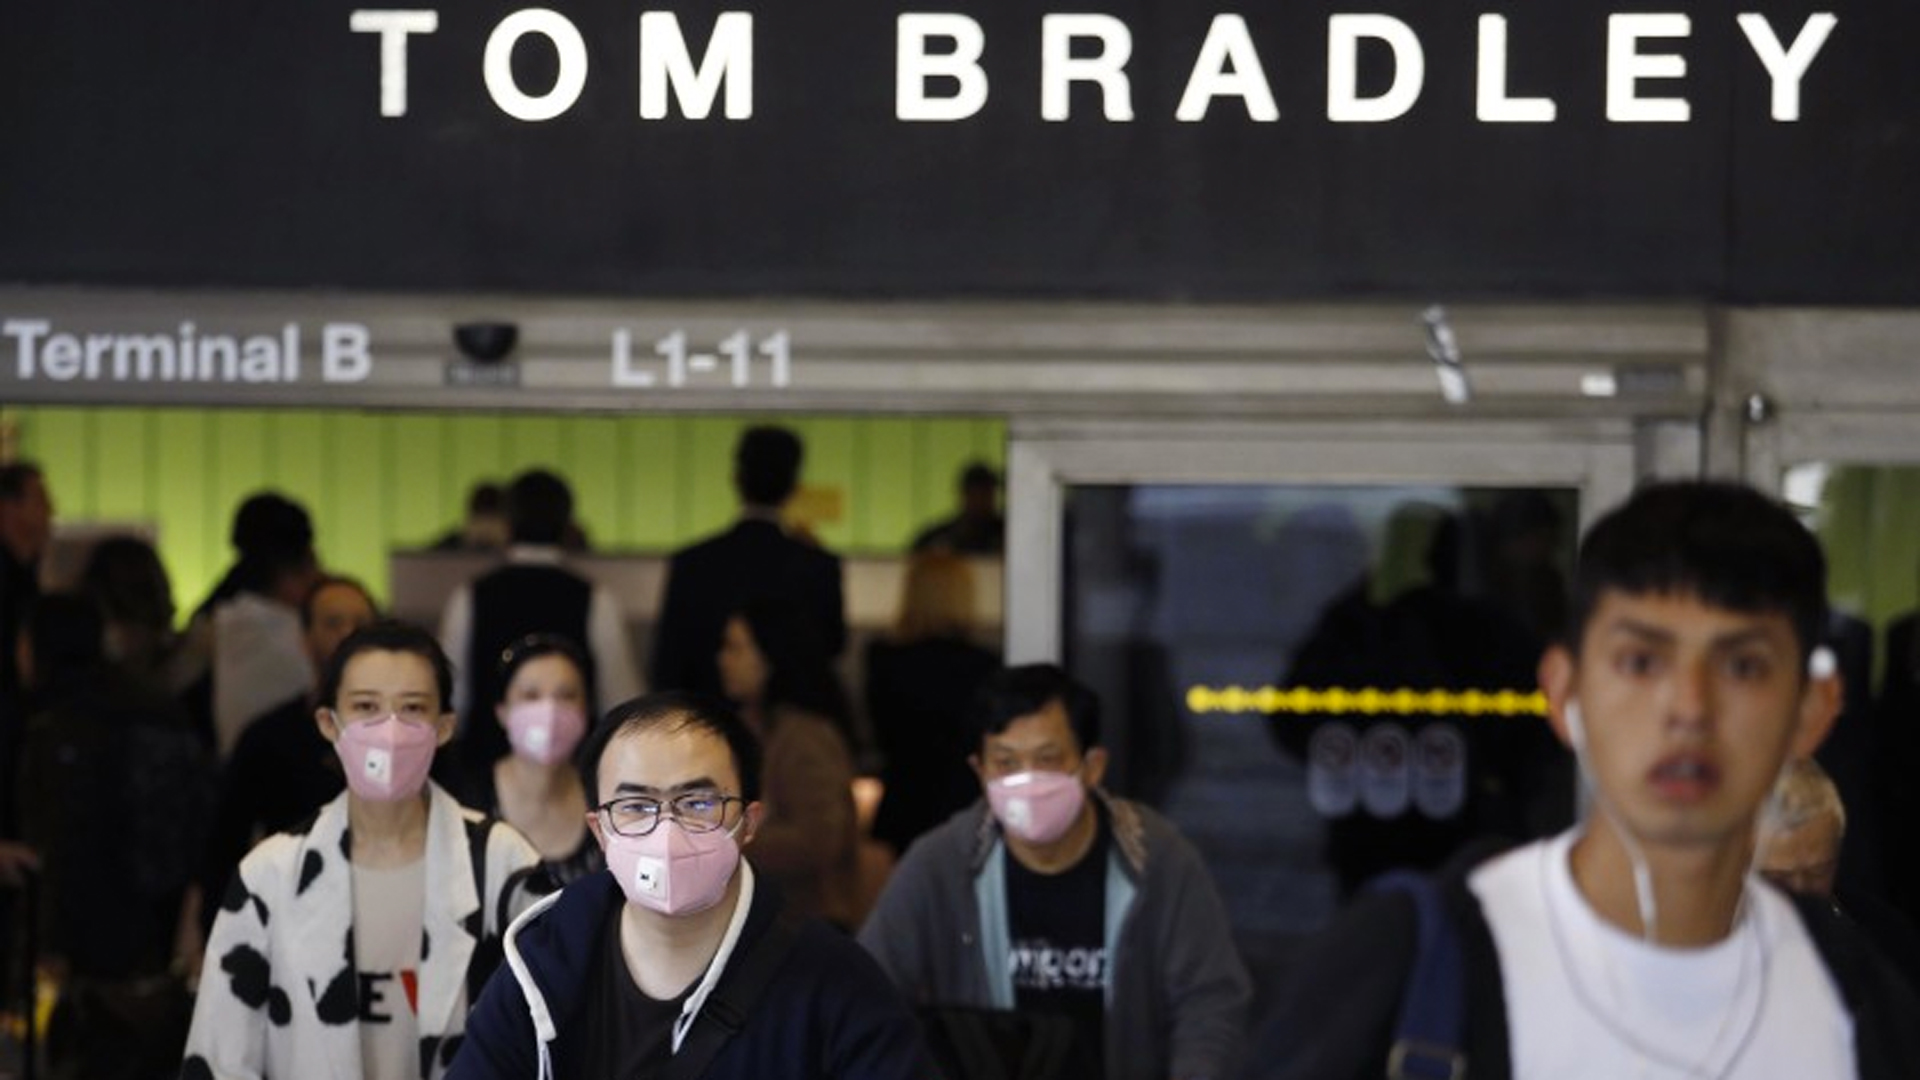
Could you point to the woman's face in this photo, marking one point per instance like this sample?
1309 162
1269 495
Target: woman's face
743 667
545 678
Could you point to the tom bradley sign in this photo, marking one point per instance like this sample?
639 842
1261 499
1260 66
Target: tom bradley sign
1748 151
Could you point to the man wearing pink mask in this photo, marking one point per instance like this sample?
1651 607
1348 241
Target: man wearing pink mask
680 961
352 945
1052 897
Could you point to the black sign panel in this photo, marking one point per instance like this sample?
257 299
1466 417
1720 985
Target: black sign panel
1750 153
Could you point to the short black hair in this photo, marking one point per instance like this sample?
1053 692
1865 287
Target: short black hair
486 497
1722 542
14 477
674 710
533 647
268 525
766 465
329 581
1014 692
388 635
979 474
539 507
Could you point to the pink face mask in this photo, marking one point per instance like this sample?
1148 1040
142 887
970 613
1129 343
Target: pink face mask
1038 807
545 731
386 760
671 870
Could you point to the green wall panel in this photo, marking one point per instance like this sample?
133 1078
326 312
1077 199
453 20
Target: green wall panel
379 481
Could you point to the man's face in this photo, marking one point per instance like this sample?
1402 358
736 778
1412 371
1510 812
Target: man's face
1689 712
26 523
664 761
1040 741
1804 860
334 612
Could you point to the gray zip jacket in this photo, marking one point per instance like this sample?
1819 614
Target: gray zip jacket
1176 991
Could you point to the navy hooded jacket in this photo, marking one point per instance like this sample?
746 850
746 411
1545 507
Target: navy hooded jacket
827 1011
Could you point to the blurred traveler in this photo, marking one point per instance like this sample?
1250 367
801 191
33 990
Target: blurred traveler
532 594
26 527
919 681
978 528
245 638
1054 898
416 887
808 839
536 788
1800 844
755 559
126 579
1638 943
114 796
682 961
486 527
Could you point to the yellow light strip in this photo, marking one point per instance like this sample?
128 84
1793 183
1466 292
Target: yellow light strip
1366 701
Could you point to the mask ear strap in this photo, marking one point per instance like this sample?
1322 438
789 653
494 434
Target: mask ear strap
1643 894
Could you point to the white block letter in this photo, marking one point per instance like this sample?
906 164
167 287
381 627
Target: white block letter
1787 66
1627 65
1227 66
497 64
24 331
393 28
344 352
915 66
1344 103
1059 68
664 60
1492 105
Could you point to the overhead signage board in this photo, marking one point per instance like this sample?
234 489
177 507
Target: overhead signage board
1154 149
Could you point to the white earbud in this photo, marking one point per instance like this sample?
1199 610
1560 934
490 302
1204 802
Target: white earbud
1576 729
1822 664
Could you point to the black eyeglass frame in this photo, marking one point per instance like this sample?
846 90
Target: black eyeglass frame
673 810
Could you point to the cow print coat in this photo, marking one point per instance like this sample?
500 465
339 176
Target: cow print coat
278 990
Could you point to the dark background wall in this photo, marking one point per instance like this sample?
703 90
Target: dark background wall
233 143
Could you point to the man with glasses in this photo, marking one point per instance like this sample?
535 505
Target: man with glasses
679 962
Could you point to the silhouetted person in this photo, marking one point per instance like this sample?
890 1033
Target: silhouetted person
114 790
486 527
755 559
26 526
919 683
532 594
245 637
979 528
1407 790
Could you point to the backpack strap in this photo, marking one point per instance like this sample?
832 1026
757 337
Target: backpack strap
726 1009
1429 1038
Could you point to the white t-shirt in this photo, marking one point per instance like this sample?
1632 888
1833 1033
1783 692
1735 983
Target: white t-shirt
388 911
1585 999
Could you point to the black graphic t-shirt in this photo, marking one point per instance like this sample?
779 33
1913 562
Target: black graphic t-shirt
1056 924
626 1034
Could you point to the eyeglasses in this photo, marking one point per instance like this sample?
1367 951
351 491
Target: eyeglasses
638 815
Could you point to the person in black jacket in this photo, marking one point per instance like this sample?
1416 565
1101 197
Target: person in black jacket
754 560
919 682
1640 943
680 961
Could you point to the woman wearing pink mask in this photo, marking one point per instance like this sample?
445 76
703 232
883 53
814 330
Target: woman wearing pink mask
352 946
545 710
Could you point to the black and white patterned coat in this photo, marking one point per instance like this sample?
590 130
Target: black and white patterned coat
279 991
